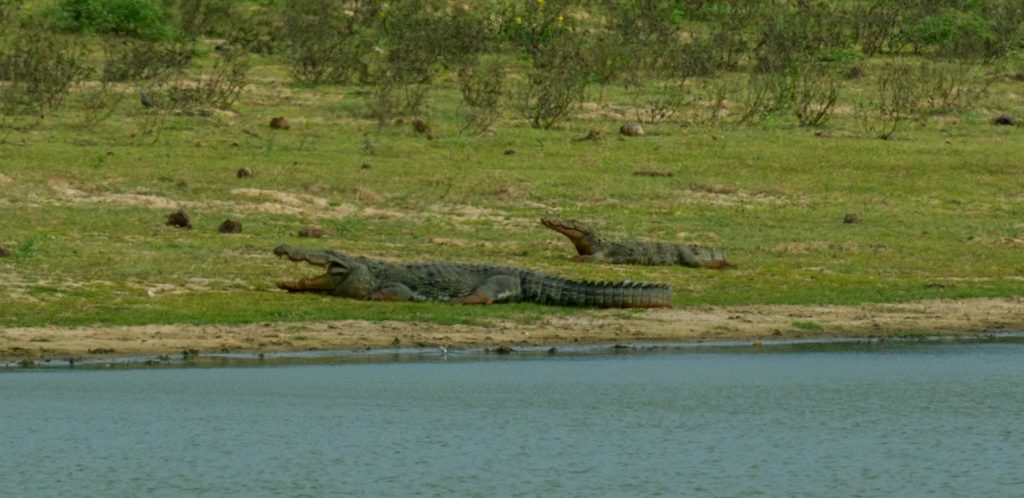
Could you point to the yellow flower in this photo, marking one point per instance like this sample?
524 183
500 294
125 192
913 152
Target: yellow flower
519 20
540 3
560 19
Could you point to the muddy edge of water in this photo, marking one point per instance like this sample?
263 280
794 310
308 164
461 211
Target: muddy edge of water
750 325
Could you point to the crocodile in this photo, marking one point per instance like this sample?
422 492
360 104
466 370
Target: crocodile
456 283
592 247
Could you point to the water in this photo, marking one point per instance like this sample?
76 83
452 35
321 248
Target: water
926 420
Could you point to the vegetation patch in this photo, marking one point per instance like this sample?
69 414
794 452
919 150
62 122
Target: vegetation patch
763 125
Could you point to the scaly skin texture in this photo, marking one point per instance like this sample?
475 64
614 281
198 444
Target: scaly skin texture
593 248
368 279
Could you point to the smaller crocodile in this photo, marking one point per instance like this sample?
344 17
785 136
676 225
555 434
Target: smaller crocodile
593 248
369 279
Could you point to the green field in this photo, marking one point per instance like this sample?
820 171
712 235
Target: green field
940 205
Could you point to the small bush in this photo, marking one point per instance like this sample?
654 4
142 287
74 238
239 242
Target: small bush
764 95
815 92
706 102
126 59
217 18
38 70
557 81
481 83
8 7
324 43
658 101
218 86
144 19
951 86
896 100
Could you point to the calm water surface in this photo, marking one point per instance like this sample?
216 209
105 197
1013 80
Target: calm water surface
932 420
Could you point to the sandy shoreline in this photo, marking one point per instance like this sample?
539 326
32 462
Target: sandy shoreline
753 323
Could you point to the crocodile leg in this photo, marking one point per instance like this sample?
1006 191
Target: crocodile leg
494 289
392 292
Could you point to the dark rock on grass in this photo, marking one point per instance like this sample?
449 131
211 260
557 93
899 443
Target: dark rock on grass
631 130
851 218
510 152
179 219
280 123
422 127
366 166
653 173
147 100
1005 120
244 172
4 252
230 226
311 232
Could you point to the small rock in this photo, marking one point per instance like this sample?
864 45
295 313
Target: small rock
147 100
4 252
510 152
365 166
280 123
420 126
1005 119
851 218
632 130
179 219
490 131
311 232
653 172
503 349
592 135
244 172
230 226
823 133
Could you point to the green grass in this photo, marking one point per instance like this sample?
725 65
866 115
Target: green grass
941 208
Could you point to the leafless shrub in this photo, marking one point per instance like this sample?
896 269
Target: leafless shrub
218 86
952 86
325 41
481 84
126 59
896 100
764 95
556 82
38 70
815 92
8 7
706 101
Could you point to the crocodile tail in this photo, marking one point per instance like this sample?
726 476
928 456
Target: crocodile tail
545 289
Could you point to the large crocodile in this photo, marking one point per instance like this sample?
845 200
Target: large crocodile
368 279
593 248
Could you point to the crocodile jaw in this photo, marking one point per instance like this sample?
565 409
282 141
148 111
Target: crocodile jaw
318 258
328 282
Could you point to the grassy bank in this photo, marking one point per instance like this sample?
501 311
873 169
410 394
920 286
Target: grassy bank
939 208
940 212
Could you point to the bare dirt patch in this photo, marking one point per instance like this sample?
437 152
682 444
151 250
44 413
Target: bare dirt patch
741 323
